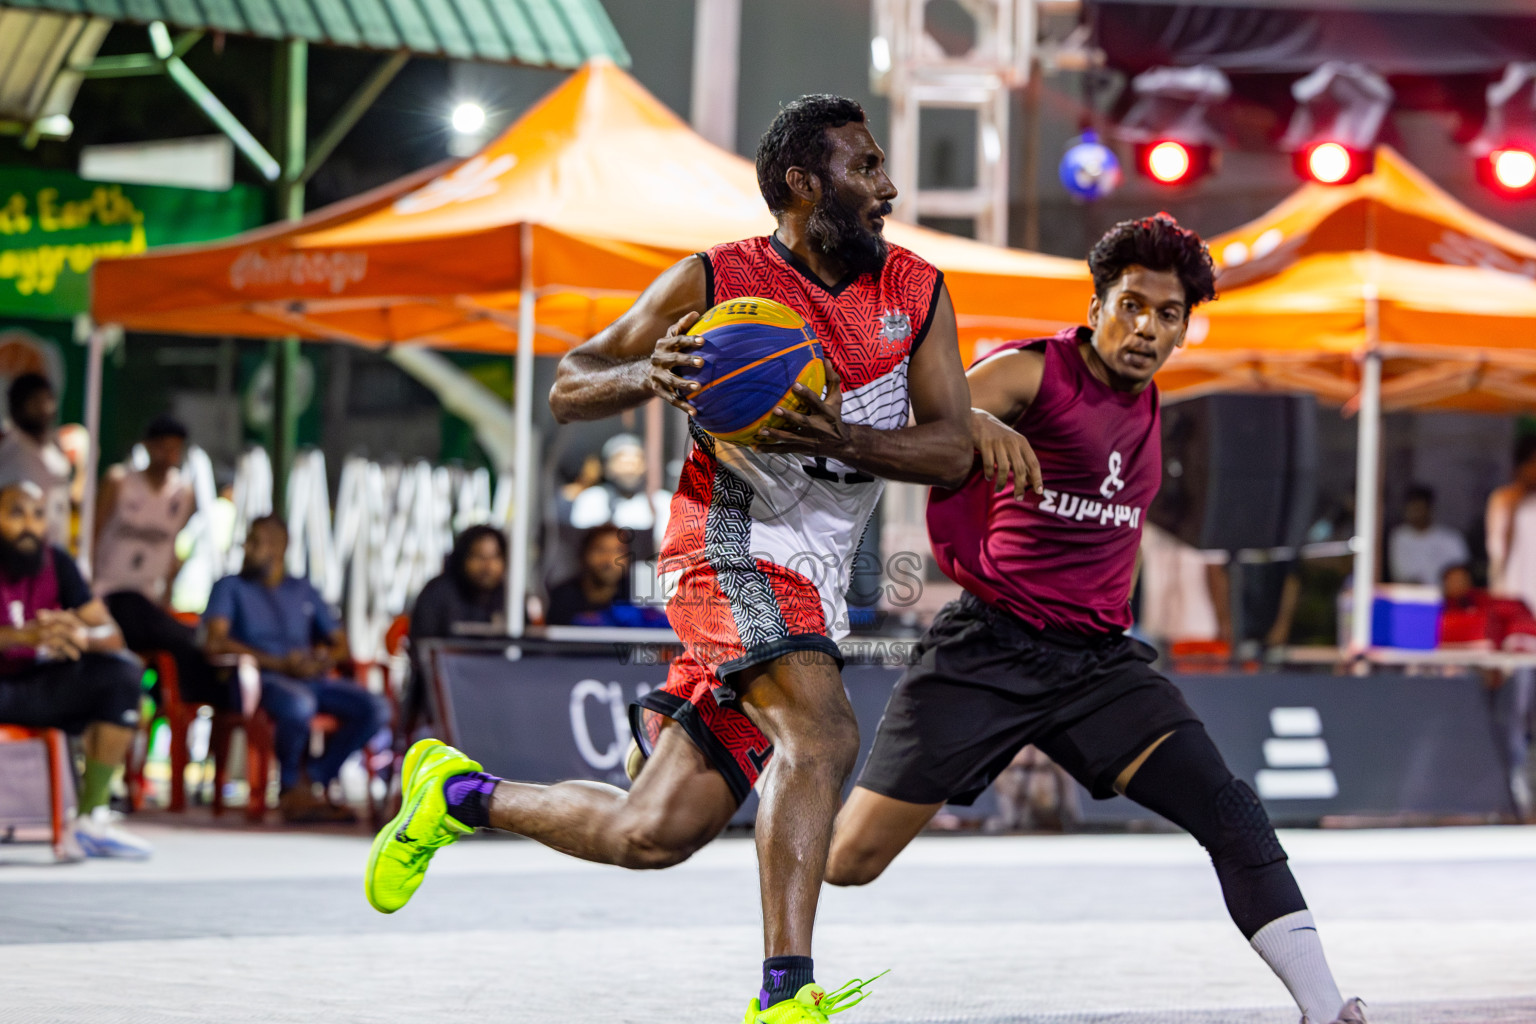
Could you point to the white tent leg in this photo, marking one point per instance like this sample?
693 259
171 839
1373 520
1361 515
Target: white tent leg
93 370
1367 495
716 46
522 480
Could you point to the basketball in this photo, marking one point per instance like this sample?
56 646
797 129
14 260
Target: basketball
755 351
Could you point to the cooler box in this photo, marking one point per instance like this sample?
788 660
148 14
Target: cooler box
1405 615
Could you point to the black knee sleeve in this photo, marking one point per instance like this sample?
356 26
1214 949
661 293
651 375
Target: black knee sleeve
1244 835
1186 781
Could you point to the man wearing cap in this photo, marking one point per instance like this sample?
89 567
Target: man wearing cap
621 498
60 662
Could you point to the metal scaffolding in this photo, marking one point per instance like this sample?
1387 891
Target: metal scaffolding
1011 44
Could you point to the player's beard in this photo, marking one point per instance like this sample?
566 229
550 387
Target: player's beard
836 229
20 563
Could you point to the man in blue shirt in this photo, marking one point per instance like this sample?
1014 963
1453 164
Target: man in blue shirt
284 624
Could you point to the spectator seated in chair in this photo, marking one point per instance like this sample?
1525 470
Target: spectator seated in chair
468 599
599 595
60 663
139 514
284 624
1473 616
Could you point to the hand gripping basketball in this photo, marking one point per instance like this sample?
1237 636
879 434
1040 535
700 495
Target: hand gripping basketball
822 432
672 352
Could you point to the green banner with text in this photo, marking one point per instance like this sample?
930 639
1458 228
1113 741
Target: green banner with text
55 226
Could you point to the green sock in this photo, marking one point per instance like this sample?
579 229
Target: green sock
96 789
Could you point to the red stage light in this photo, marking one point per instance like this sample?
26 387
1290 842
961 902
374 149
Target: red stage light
1174 163
1168 162
1328 163
1332 163
1509 170
1514 169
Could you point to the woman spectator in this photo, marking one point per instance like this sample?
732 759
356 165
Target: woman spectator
469 598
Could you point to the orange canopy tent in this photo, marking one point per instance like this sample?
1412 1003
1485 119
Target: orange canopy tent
582 201
1383 293
1391 266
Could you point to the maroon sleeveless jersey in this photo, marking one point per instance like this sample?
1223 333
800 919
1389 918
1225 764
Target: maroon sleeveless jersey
1063 560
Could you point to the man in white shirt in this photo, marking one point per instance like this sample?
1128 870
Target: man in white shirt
621 498
1420 550
139 514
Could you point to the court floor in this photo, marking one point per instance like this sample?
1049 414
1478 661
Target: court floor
229 926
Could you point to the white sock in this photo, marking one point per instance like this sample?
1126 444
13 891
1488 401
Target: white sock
1293 951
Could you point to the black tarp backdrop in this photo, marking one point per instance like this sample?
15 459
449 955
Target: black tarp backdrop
1448 37
1388 744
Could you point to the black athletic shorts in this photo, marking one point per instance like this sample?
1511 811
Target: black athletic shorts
70 695
984 684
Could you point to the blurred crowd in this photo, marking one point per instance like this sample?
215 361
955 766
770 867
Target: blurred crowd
261 641
86 622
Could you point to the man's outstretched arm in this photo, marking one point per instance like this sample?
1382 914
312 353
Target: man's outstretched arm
631 360
1002 388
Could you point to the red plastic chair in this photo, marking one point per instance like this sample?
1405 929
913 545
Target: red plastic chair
257 726
395 638
1196 656
260 758
259 737
391 684
178 714
57 747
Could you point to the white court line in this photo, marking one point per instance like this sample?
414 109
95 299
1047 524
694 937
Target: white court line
197 855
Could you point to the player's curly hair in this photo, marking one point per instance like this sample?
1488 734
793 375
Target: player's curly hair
798 138
1157 243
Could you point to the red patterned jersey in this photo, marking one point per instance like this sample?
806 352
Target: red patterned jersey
735 506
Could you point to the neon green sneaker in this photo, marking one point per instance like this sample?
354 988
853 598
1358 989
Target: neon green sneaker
812 1004
403 848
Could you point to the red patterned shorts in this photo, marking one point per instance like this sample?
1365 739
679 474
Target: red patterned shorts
730 620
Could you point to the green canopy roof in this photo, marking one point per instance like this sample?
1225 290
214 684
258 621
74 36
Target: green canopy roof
549 33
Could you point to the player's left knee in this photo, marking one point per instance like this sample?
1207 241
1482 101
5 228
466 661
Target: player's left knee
849 864
1243 834
651 843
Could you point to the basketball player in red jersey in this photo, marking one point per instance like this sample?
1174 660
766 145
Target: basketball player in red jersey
1036 651
758 548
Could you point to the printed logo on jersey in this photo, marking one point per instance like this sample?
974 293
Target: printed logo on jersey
1112 484
895 328
1082 509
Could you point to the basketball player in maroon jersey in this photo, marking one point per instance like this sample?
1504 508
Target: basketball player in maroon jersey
758 547
1036 651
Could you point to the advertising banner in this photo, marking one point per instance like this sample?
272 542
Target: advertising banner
1310 745
55 226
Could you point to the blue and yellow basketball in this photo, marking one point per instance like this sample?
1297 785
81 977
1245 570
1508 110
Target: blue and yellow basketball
755 351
